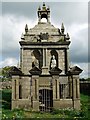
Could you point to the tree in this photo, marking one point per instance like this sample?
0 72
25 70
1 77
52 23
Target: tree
5 72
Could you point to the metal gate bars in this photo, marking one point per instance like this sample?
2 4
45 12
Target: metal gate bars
45 100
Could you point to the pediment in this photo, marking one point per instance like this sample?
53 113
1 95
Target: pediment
15 71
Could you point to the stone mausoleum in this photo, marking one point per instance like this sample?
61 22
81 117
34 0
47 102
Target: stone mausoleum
45 80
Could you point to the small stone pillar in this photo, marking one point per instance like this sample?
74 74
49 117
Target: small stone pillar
76 92
35 92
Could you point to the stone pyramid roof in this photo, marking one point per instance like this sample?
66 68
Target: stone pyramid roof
75 70
15 71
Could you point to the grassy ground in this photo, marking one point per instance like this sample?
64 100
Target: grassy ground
7 113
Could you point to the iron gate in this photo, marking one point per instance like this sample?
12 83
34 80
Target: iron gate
45 100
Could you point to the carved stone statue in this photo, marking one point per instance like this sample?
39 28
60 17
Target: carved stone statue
35 61
53 62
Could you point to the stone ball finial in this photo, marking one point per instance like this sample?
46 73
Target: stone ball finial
43 3
44 7
26 28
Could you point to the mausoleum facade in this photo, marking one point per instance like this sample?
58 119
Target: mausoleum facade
45 79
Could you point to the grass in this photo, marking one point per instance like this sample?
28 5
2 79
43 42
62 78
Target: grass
71 114
85 101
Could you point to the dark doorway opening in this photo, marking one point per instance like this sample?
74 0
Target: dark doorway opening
45 100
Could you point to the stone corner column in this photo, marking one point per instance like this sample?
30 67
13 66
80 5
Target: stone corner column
76 93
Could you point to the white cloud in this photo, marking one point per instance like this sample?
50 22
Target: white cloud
13 27
8 62
79 41
85 67
76 28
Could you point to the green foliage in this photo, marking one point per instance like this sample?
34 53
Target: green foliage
84 79
12 115
6 99
88 79
5 72
85 105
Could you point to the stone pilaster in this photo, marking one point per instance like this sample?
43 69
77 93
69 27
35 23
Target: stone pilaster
67 59
55 87
70 86
74 88
45 68
54 90
43 57
21 58
78 88
48 58
15 91
15 87
35 92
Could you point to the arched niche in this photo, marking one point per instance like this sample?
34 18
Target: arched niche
36 58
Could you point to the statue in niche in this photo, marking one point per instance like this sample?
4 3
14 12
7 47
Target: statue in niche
53 62
35 62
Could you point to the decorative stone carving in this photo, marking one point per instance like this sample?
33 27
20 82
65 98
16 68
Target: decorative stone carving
43 36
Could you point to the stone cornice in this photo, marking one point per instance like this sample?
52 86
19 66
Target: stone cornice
44 43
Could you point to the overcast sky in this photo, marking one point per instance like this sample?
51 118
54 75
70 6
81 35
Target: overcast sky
74 15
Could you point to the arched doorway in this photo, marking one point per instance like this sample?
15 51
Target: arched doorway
45 99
